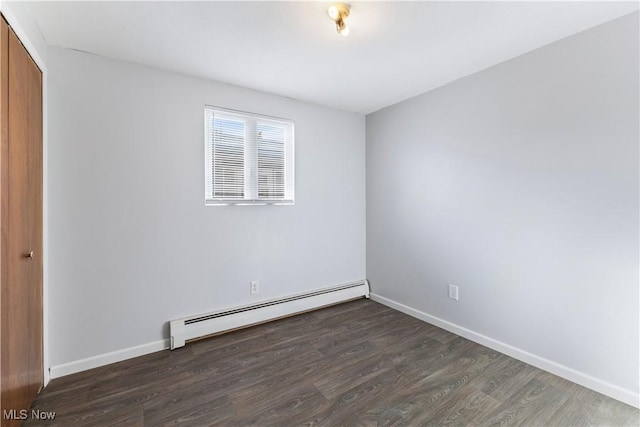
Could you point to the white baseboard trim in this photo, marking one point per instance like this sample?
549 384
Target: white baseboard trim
608 389
107 358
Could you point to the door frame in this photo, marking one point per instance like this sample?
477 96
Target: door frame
30 46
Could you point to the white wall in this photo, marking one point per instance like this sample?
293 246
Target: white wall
519 184
132 244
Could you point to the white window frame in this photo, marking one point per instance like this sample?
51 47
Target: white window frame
251 165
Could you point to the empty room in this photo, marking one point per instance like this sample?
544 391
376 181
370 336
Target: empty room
281 213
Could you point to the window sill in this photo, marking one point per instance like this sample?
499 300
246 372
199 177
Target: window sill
220 202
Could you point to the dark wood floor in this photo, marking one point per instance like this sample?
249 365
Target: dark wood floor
358 363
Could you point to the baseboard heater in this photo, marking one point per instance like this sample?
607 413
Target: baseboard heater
200 326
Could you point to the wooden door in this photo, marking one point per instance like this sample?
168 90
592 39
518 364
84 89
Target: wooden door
21 363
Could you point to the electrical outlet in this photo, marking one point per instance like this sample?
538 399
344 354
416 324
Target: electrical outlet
255 287
453 292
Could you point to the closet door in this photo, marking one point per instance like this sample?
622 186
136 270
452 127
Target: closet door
21 222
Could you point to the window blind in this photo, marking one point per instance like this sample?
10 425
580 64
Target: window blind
248 158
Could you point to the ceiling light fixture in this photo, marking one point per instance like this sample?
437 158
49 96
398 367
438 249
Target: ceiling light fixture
339 13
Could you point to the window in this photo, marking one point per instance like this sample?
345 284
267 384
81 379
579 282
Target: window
248 158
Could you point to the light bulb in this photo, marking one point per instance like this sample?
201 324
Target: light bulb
339 12
333 12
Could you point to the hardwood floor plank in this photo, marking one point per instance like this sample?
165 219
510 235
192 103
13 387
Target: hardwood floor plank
282 406
417 363
244 394
89 414
439 388
357 331
440 334
340 380
349 310
534 403
394 338
466 406
504 378
54 397
131 416
199 411
344 408
588 408
404 352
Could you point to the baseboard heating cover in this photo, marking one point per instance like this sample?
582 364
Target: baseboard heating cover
199 326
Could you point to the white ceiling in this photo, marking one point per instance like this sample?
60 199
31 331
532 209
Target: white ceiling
396 50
